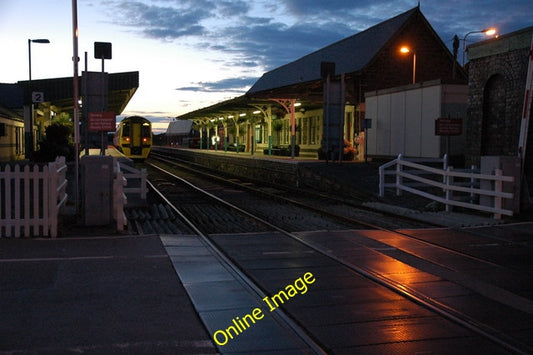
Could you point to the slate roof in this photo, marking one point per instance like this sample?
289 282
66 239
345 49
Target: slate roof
176 128
359 48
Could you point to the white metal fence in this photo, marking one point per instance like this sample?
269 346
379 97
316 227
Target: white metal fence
135 180
459 187
30 199
119 198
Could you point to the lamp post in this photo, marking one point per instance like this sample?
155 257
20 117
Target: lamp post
406 50
28 122
486 31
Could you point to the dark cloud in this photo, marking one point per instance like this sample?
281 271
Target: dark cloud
237 85
162 22
288 29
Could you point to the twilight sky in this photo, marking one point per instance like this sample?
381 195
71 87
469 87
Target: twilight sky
193 53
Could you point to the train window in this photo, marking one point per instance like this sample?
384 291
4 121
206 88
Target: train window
145 130
125 129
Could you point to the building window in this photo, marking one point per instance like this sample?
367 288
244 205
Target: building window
2 129
259 134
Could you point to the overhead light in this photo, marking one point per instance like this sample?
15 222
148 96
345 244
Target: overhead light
296 104
242 114
257 112
489 31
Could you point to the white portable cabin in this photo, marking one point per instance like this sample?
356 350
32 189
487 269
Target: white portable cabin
403 120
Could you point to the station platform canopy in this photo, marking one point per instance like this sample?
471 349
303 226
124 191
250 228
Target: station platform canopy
58 92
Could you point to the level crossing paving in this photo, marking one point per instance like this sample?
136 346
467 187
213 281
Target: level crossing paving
343 310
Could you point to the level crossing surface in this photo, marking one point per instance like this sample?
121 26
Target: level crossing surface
169 293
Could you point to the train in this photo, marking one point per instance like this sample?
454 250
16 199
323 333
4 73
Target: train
134 137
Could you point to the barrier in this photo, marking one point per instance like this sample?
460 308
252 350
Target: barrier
445 179
30 199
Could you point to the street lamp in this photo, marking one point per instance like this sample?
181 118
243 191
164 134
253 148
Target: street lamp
486 31
42 40
406 50
28 122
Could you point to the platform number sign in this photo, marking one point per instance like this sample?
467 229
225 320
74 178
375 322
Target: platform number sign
37 97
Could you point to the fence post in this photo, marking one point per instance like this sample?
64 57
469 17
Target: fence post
381 181
52 202
399 179
448 193
472 183
498 184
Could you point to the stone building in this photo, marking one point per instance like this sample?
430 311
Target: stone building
497 82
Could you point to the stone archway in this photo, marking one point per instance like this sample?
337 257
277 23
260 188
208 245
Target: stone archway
493 119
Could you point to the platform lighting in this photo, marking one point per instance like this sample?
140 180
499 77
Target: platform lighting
297 104
257 112
407 50
231 116
487 31
220 118
242 114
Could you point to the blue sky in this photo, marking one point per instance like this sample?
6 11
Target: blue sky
193 53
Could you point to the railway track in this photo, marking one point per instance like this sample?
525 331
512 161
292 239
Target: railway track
208 213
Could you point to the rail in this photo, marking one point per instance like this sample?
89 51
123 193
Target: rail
448 181
31 198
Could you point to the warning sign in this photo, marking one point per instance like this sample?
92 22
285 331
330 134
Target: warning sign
102 121
448 126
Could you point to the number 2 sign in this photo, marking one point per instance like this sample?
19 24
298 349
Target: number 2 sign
37 96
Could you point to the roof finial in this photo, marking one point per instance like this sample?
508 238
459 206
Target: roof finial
418 4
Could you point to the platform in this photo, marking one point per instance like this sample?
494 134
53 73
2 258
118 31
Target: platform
351 178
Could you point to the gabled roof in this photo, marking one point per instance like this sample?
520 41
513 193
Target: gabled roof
179 127
359 48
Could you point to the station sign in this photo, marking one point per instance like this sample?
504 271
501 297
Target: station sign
101 121
37 97
448 126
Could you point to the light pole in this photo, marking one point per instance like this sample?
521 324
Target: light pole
486 31
28 121
406 50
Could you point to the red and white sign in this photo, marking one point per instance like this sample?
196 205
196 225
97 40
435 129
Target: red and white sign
102 121
449 126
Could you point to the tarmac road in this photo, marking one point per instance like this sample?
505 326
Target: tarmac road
117 294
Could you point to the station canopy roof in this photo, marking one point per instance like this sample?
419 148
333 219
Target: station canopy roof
302 79
58 92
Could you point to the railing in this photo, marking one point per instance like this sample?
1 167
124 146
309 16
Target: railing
136 181
446 180
132 174
30 199
119 199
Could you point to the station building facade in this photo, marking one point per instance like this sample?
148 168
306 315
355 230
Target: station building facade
287 104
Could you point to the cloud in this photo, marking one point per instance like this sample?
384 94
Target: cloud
236 85
162 22
262 35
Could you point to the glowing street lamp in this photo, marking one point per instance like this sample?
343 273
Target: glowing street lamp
407 50
487 31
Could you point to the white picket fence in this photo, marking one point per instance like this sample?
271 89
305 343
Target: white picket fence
412 176
30 199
